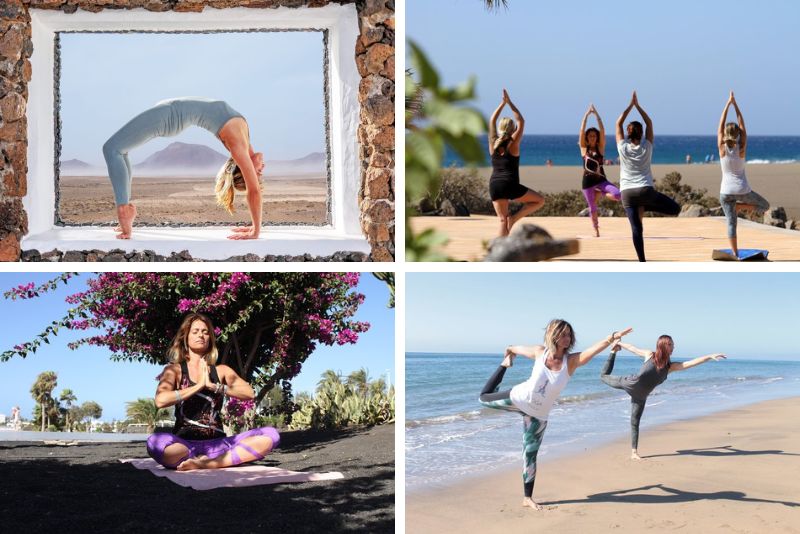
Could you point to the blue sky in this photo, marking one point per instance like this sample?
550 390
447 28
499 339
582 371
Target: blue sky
274 79
742 315
93 376
683 57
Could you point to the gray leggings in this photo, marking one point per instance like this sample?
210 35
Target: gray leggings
155 122
624 383
729 207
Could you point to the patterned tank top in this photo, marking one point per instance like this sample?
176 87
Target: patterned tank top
593 173
198 417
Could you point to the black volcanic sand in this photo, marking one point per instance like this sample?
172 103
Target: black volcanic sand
85 488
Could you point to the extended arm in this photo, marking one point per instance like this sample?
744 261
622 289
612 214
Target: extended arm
167 392
516 137
742 131
493 123
635 350
648 124
529 351
241 155
681 366
601 143
621 121
581 134
584 357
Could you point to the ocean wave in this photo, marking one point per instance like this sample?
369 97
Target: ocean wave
770 161
445 419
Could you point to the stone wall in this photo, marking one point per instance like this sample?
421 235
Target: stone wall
374 57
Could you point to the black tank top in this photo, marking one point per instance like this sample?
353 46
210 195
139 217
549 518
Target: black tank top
505 166
198 417
593 173
649 377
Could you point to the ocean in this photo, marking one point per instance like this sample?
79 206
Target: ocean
450 436
563 149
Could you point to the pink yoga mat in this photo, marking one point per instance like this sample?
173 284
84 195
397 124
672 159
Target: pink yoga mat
230 477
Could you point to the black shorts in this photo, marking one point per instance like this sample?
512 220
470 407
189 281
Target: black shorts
500 189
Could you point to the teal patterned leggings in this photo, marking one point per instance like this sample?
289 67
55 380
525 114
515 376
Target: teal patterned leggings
533 428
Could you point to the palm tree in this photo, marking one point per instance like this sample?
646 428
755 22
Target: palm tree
41 391
67 397
329 378
388 278
357 381
145 411
494 4
91 410
377 387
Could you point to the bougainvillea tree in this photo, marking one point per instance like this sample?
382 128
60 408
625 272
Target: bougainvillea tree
267 324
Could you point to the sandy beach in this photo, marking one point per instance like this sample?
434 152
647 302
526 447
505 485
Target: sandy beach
734 471
187 200
84 488
778 183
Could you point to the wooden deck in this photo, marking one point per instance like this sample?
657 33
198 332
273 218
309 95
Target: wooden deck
666 239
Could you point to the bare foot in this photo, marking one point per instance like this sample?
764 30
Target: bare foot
635 456
529 503
126 213
191 464
597 232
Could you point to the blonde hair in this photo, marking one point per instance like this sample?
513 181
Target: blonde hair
229 180
506 128
731 134
554 330
179 349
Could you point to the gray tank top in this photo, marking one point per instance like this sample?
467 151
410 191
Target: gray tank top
647 379
208 114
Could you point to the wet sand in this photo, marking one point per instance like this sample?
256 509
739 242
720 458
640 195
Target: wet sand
190 200
84 488
734 471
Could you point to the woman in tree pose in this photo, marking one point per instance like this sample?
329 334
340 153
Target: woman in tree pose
197 388
553 366
170 117
595 184
636 177
735 194
504 184
655 369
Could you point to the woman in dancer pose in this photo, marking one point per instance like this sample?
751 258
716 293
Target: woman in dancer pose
197 388
654 371
735 194
504 184
553 366
636 177
169 118
595 184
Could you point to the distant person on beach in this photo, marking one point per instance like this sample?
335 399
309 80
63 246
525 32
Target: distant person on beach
636 177
688 159
504 184
15 422
595 184
735 194
552 368
197 388
548 162
657 365
170 117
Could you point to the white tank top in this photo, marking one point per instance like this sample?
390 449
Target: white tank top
536 395
734 180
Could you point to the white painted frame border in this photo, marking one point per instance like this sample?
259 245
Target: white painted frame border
344 232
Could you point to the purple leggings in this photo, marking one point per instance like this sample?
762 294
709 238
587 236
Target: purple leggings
212 448
606 188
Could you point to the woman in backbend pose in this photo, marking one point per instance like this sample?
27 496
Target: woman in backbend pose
657 365
552 368
595 184
735 194
170 117
504 184
197 388
636 177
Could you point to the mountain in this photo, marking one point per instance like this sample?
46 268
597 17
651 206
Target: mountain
76 167
182 158
313 163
